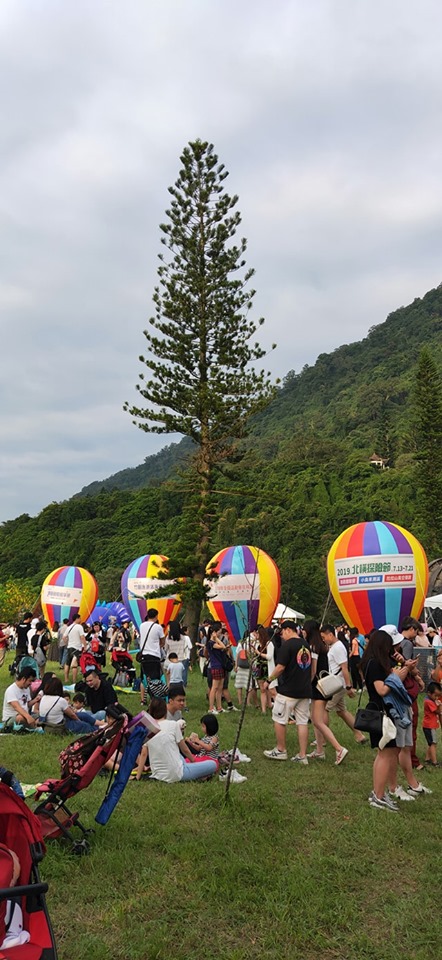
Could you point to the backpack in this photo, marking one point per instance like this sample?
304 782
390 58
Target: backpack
242 659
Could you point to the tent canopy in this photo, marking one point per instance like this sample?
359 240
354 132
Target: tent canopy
283 612
434 601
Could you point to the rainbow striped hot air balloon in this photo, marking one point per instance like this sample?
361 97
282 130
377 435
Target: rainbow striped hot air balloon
141 578
66 592
247 590
378 574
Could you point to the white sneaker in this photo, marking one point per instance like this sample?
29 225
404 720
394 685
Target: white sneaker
298 759
340 756
401 794
236 777
386 803
276 754
418 791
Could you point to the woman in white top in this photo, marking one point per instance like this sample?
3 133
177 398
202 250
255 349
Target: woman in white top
55 709
168 751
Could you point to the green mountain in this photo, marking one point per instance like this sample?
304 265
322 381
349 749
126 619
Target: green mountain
303 477
157 467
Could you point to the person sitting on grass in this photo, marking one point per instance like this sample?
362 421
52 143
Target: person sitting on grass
99 694
78 702
209 742
176 703
431 721
17 701
169 756
55 710
209 745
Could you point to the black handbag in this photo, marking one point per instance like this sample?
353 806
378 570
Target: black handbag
369 719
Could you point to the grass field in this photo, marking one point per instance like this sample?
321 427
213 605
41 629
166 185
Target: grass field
295 865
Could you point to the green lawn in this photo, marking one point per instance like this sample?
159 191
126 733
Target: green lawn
297 865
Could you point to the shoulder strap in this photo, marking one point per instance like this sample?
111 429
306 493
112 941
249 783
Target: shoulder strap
147 637
45 719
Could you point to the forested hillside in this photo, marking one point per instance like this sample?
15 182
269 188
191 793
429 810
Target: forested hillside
304 477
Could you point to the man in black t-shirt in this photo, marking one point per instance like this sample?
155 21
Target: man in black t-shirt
293 671
22 634
99 694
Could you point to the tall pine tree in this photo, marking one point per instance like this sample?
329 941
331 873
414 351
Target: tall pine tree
201 380
428 442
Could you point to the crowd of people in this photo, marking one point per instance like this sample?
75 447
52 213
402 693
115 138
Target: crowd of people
279 669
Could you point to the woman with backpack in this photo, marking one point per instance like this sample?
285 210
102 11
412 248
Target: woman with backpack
242 667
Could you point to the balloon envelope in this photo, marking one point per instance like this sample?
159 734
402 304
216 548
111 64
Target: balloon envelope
103 611
66 592
247 590
141 578
378 574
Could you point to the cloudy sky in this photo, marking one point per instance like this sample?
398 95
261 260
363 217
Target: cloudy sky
327 114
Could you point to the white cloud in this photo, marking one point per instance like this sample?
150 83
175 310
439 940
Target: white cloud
327 116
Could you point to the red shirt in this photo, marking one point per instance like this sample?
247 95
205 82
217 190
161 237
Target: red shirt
431 719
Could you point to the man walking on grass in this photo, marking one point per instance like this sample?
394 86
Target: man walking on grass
338 665
293 672
76 643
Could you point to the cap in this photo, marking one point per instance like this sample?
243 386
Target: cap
388 732
394 633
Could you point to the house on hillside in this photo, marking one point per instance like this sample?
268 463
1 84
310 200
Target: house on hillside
380 462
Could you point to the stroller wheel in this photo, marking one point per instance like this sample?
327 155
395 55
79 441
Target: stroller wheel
80 848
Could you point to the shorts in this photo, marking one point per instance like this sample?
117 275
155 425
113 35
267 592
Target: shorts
151 668
375 739
404 735
285 707
71 655
337 702
430 734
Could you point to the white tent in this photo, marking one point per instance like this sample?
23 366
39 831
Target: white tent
283 612
434 601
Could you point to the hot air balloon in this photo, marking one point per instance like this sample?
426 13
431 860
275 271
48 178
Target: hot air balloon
247 590
378 573
103 611
141 578
66 592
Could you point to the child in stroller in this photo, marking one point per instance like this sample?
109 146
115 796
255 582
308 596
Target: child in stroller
24 917
88 660
122 663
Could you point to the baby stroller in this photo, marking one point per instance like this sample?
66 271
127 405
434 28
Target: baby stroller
98 650
20 831
86 661
80 762
125 672
20 662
